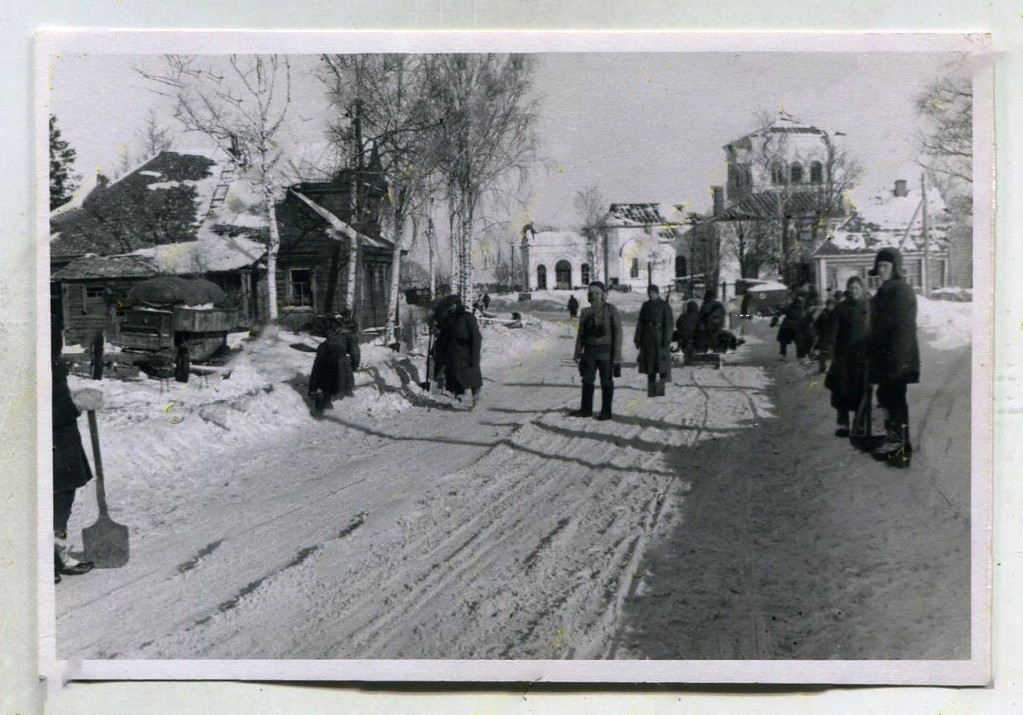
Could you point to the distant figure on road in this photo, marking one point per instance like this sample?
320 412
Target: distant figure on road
573 307
686 327
71 469
486 301
805 337
790 324
893 354
822 333
598 349
333 373
457 350
847 343
653 340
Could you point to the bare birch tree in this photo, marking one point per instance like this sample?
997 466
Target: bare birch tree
592 209
239 102
380 101
946 140
486 133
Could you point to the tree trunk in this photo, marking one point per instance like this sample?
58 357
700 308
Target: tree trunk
271 254
431 251
397 224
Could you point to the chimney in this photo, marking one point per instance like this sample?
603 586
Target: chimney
901 188
719 199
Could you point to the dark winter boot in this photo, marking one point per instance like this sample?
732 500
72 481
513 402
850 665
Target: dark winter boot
651 386
607 393
902 455
660 388
892 442
586 410
842 429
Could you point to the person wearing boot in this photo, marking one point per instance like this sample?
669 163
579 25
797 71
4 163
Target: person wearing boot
653 340
598 349
893 359
846 343
71 469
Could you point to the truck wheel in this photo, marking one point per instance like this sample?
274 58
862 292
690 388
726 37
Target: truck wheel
183 365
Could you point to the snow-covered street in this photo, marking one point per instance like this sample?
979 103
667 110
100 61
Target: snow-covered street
405 526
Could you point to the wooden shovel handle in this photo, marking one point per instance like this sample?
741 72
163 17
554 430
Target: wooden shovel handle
101 494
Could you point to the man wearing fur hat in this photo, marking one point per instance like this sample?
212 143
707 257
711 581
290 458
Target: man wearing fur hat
893 354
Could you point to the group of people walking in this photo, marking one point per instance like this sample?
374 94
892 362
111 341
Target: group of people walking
864 343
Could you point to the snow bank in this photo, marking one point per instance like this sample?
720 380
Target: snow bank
949 323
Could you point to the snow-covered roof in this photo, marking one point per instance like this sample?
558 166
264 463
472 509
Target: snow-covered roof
785 124
887 220
209 253
646 214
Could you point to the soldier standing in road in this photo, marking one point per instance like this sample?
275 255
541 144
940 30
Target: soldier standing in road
653 339
893 355
598 349
457 350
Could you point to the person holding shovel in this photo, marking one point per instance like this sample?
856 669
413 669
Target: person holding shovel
70 465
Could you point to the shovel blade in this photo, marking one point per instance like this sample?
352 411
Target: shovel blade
106 543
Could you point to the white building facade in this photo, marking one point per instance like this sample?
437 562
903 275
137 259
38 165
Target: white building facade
553 259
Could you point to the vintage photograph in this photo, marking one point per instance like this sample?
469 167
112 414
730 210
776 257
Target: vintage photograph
513 356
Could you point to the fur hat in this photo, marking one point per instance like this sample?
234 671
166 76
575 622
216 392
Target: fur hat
888 255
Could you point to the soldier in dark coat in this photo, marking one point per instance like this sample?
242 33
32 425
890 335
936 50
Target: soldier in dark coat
598 349
653 339
790 324
486 301
457 350
686 327
573 306
712 322
893 354
333 373
846 342
71 469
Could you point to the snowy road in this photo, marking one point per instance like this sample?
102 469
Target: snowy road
512 531
722 521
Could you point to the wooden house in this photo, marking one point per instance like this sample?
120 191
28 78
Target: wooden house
316 223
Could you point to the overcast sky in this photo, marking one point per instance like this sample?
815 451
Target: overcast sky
642 127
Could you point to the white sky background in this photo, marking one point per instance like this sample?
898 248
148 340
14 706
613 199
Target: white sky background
642 127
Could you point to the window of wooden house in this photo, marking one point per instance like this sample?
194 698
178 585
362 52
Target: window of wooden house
796 172
95 291
300 286
816 173
634 268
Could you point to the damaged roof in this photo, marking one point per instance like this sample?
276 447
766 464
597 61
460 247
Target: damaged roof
886 220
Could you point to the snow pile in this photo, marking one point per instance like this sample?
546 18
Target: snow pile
952 293
151 427
949 323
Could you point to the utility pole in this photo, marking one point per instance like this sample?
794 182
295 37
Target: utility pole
925 268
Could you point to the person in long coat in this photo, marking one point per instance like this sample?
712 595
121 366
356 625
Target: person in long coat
653 339
822 329
333 373
893 354
573 306
598 350
846 340
790 324
712 322
457 349
71 469
805 336
686 327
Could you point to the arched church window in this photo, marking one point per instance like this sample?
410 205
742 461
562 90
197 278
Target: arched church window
816 173
777 173
796 172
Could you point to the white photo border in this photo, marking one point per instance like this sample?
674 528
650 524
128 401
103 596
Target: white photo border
975 671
